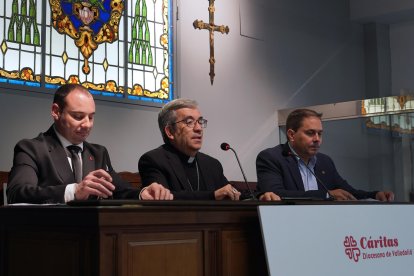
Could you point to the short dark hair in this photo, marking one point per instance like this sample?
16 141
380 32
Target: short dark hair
63 91
295 118
167 116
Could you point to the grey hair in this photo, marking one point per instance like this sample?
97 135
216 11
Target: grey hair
167 115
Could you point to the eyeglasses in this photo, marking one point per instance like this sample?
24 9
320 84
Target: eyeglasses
190 122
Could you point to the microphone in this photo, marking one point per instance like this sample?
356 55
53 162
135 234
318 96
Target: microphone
226 147
290 153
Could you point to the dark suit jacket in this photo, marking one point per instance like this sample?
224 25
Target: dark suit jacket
163 165
41 170
278 172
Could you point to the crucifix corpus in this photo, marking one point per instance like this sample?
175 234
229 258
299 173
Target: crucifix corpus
211 27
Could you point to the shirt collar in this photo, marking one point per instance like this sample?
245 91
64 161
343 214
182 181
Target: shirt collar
183 157
312 160
65 142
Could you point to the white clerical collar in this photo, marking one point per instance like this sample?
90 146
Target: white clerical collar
191 159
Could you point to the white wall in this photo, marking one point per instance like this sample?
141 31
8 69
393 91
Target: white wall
127 131
240 106
311 54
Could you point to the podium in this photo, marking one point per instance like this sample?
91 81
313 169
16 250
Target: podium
352 238
135 238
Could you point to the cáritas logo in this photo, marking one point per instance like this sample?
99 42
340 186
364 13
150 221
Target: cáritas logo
373 248
351 248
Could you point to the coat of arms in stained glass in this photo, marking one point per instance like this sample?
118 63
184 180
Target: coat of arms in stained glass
116 48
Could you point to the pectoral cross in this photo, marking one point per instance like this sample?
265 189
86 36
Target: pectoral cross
211 27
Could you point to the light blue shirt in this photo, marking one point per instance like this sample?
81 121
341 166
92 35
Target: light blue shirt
309 180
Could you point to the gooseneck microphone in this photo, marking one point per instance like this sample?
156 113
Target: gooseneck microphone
290 153
226 147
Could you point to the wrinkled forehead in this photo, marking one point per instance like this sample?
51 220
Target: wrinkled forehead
186 112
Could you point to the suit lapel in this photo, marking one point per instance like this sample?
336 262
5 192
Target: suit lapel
321 174
59 157
293 167
88 160
295 173
177 168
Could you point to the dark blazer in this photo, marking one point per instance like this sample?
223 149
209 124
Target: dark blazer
41 170
163 165
278 172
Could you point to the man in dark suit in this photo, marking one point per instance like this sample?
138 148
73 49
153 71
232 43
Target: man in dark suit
178 164
289 169
59 165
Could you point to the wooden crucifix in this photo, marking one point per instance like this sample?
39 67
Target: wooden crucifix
211 27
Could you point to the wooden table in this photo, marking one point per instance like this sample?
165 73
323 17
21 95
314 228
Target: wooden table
134 238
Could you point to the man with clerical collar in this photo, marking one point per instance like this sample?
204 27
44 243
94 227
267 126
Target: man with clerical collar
298 169
178 165
59 165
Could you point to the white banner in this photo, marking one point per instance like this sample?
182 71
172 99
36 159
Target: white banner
347 240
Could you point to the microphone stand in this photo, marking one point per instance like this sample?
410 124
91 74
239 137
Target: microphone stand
330 197
244 176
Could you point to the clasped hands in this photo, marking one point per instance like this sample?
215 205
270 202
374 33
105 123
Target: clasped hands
99 183
339 194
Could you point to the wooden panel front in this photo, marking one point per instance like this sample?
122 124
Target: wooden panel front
48 254
197 240
155 254
242 253
108 262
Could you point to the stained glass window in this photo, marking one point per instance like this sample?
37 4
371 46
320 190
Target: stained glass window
394 113
118 49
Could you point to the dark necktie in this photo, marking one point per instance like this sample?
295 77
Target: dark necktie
76 163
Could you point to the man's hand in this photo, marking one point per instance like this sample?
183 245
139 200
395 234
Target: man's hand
269 196
97 183
156 191
227 192
339 194
385 196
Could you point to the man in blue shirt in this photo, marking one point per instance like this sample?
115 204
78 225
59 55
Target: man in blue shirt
297 169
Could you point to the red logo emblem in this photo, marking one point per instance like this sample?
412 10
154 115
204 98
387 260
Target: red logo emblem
351 248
